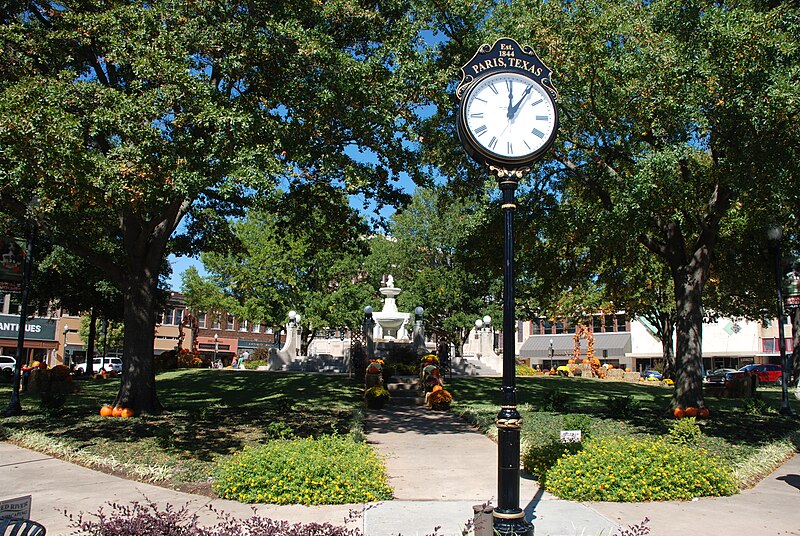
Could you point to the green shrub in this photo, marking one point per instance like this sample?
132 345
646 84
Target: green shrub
279 430
756 406
327 470
636 470
253 364
540 458
622 406
555 400
525 370
685 431
578 421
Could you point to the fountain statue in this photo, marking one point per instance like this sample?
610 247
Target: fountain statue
390 324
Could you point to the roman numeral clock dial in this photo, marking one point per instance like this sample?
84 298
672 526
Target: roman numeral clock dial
509 116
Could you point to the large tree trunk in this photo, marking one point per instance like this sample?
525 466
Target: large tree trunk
664 324
138 386
689 356
667 327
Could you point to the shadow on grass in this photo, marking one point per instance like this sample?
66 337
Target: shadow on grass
729 422
207 413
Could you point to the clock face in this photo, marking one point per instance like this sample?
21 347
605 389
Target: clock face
509 116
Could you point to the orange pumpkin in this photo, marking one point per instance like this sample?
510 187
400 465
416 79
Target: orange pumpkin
126 413
437 388
117 411
691 411
627 369
678 413
106 410
703 413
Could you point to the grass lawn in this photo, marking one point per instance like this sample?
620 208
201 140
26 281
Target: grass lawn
752 438
208 414
214 413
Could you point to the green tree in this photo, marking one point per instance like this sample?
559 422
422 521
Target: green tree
303 252
125 118
111 335
673 113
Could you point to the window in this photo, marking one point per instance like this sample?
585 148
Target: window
201 320
243 325
178 316
621 323
229 322
559 327
597 323
216 324
256 327
771 346
610 323
536 327
548 326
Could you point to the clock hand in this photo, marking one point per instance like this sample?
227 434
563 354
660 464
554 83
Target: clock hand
513 110
510 113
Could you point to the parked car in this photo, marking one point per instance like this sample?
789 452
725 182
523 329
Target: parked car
765 374
7 364
110 364
656 375
718 376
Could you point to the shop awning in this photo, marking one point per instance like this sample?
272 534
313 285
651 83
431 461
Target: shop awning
616 345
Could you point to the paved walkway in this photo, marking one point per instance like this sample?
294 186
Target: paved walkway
439 468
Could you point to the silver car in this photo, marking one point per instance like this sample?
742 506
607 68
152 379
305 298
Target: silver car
7 364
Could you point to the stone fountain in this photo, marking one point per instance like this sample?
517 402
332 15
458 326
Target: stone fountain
390 324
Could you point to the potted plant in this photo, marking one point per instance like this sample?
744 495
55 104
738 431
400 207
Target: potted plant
376 397
440 400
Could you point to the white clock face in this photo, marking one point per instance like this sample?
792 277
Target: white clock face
510 116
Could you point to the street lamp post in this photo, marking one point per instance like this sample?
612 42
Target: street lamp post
369 325
552 353
297 329
64 351
775 235
216 347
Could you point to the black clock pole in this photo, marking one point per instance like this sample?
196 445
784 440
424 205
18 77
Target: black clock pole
504 128
508 517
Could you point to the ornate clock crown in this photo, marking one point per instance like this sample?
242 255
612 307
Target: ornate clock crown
505 55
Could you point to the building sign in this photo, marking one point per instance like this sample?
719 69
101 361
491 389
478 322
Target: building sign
37 329
19 508
12 258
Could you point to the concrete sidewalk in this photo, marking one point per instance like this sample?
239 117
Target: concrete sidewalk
439 467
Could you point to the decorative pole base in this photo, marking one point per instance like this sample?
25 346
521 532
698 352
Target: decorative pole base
516 526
